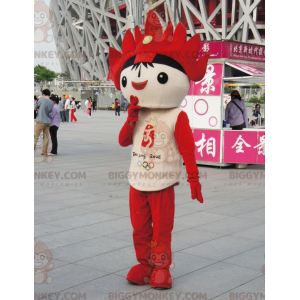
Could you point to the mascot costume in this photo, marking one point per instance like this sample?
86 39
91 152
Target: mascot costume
154 72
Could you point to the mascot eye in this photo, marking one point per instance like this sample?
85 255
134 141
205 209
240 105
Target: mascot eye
153 256
124 81
42 257
163 257
163 136
162 78
42 16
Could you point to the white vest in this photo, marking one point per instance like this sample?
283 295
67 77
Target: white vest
155 161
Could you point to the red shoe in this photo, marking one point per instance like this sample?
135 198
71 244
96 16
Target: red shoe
161 278
139 274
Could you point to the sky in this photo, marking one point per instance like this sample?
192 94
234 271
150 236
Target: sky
45 53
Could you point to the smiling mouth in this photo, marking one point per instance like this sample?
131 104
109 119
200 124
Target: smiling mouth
139 85
38 264
38 22
158 143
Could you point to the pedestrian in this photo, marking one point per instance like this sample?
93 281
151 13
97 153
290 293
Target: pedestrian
73 109
236 112
117 106
126 105
257 109
61 106
54 125
90 108
106 107
123 105
94 105
35 101
67 108
44 106
112 106
86 104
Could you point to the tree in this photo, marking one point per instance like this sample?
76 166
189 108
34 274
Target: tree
42 74
228 89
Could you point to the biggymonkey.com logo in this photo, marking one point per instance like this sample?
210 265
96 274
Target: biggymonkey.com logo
42 263
151 175
42 22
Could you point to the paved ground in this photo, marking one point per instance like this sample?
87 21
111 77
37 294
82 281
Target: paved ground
218 246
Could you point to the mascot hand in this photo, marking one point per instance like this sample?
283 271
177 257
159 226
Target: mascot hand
133 109
196 191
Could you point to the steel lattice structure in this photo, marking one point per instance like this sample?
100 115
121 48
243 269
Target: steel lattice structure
85 29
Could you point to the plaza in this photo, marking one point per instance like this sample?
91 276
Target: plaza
82 216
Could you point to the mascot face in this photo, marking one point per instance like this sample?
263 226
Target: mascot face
160 84
157 67
40 260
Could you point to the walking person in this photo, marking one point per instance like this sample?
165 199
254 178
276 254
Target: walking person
35 102
67 108
90 108
126 105
123 104
73 109
94 105
257 109
236 112
61 106
117 106
44 106
54 125
86 104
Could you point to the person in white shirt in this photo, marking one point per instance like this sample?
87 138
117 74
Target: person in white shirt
67 108
86 104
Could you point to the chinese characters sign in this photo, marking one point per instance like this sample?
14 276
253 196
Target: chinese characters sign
233 50
213 48
207 145
244 147
211 84
246 52
261 147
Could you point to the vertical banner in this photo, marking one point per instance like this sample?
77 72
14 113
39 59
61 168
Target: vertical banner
211 84
206 110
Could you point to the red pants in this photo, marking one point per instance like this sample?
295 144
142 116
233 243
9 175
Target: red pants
152 219
72 115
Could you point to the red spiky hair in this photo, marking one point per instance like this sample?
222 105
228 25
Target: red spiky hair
155 41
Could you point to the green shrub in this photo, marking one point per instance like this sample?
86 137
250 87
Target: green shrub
228 89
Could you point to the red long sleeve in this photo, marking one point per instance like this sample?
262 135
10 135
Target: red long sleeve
186 146
125 135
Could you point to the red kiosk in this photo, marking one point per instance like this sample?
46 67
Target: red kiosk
230 62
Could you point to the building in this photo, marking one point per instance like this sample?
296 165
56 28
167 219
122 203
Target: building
85 29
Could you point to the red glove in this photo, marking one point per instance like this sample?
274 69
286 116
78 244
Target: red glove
196 191
133 109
